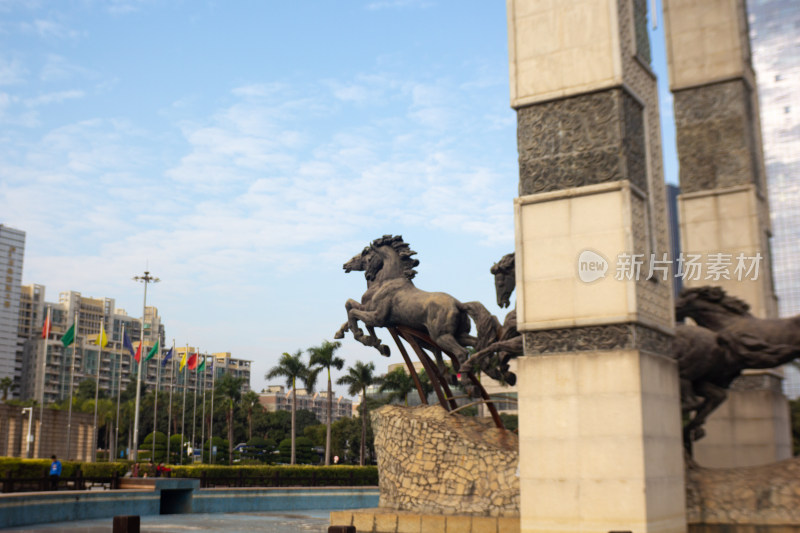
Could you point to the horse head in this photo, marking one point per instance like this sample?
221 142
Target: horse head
504 279
358 262
709 306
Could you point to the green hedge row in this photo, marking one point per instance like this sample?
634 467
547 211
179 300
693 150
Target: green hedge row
296 475
34 468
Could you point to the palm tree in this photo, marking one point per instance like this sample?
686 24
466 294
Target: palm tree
229 390
250 403
398 383
322 356
6 384
292 367
358 378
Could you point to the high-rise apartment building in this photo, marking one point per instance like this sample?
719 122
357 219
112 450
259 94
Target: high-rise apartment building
48 364
12 250
775 37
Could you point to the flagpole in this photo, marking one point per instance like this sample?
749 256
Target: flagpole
171 384
203 416
147 278
183 407
99 343
211 423
71 379
46 335
119 393
155 403
194 407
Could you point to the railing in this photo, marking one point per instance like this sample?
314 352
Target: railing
44 483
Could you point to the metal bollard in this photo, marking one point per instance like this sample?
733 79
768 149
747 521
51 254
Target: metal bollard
126 524
342 529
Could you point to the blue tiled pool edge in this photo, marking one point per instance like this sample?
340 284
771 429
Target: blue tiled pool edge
22 509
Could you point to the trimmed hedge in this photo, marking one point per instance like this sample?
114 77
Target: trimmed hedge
35 468
298 475
286 475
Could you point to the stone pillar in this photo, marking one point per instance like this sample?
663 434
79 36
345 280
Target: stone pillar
723 206
600 431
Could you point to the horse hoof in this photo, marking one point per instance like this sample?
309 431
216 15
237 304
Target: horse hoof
385 351
338 335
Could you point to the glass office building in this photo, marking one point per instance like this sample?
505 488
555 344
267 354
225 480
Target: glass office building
775 40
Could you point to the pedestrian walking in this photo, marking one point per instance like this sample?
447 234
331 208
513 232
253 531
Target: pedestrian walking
55 473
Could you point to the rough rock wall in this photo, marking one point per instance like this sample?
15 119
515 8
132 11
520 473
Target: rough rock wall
759 495
432 462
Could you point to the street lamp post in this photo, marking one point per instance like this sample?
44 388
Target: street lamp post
147 278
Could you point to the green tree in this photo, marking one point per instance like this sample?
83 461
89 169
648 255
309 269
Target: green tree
250 404
6 384
322 356
292 368
398 383
358 378
229 391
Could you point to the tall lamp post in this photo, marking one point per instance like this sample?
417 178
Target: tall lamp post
147 278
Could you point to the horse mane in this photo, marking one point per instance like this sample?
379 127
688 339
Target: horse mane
718 296
506 264
403 251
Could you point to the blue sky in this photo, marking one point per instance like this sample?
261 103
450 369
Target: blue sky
242 151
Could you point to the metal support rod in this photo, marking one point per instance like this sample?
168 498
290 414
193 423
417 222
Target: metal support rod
147 278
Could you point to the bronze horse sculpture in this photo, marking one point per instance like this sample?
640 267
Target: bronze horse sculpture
727 340
707 362
392 300
493 359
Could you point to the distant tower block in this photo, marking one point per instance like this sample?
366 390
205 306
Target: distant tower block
723 207
600 445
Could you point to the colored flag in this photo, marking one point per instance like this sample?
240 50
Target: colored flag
138 354
153 351
192 361
183 361
167 357
69 336
102 338
202 365
126 342
46 327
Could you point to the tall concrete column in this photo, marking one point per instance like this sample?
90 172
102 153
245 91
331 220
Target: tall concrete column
600 430
723 207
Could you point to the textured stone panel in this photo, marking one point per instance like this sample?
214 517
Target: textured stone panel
433 462
761 496
595 338
716 136
583 140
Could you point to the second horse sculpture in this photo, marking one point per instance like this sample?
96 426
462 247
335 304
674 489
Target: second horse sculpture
392 300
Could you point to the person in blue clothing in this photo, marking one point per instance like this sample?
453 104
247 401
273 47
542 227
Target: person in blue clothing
55 473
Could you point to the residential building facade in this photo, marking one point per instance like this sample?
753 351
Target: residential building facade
278 398
12 252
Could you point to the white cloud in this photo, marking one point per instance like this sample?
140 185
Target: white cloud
54 98
49 29
11 72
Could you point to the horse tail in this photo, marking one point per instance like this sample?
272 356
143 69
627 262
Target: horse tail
486 323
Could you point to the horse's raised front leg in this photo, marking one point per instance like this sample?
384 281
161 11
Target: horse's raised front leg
371 318
352 323
341 331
